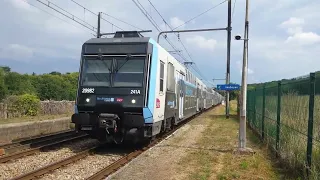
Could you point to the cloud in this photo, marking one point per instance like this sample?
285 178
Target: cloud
175 22
201 42
293 22
304 38
54 25
284 38
21 4
17 52
239 66
297 35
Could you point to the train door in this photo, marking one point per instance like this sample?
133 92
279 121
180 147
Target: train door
181 94
198 96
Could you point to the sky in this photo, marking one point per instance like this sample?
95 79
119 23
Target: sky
284 35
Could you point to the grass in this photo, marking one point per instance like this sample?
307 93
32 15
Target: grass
33 118
293 129
215 159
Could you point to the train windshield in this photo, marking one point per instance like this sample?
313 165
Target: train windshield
113 72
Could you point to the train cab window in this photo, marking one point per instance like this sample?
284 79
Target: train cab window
161 75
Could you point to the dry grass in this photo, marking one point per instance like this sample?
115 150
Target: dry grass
215 158
33 118
293 130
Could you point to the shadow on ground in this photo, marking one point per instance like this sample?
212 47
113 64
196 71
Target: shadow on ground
231 116
197 148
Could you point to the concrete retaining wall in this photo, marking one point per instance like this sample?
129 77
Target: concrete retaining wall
9 132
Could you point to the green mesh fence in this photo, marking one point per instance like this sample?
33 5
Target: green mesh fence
287 117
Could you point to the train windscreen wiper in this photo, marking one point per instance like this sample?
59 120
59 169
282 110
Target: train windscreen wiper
127 58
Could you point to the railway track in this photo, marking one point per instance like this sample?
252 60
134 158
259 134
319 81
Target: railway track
32 146
108 170
103 173
35 141
56 165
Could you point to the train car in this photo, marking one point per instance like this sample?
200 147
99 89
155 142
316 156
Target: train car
131 89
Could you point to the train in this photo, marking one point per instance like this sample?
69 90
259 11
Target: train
131 89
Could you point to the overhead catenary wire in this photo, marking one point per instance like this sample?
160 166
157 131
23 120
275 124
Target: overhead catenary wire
83 23
200 14
199 73
95 14
122 21
145 13
169 27
234 8
56 16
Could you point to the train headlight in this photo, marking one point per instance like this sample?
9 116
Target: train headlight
133 101
87 100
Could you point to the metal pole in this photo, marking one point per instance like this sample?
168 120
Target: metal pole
228 58
189 30
242 128
98 29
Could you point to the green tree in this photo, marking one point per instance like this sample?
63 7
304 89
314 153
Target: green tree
18 84
3 88
6 69
55 73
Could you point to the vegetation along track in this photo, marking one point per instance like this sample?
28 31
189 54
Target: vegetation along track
126 159
27 147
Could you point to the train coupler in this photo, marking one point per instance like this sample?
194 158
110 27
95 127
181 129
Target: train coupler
108 122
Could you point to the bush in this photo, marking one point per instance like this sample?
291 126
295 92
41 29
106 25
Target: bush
23 105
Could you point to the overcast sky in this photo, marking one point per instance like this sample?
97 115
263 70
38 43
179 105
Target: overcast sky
284 34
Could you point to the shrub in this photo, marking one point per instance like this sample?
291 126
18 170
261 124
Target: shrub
23 105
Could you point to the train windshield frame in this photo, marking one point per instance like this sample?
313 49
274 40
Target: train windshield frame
113 71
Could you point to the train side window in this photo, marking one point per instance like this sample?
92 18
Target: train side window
161 75
170 77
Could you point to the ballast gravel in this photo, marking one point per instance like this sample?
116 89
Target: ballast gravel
161 161
83 168
32 162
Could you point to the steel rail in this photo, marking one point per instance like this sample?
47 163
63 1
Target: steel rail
17 155
29 140
56 165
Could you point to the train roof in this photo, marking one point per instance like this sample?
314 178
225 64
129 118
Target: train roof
118 40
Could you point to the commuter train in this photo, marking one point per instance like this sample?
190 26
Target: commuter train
131 89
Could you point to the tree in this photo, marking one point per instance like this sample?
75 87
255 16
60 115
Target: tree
18 84
55 73
3 88
6 69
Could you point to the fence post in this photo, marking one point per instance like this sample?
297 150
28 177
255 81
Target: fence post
263 110
248 107
278 116
254 108
238 106
310 121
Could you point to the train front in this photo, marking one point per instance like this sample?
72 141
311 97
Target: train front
111 88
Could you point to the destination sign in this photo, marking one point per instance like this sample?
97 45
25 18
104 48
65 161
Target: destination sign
228 87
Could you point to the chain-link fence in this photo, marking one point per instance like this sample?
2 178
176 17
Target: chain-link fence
287 117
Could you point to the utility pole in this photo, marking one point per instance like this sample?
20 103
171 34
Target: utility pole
98 29
242 128
228 57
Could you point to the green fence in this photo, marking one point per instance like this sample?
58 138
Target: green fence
287 117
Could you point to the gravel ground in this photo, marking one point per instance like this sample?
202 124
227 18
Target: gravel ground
32 162
161 161
84 168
